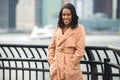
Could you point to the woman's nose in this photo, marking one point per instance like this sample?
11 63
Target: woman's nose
66 16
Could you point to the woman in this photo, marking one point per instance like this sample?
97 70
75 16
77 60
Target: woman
67 45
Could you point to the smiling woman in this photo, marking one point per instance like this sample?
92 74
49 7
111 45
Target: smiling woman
67 45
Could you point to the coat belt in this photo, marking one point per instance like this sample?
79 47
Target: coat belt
65 50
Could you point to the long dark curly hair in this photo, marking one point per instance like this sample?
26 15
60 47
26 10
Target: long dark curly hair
75 18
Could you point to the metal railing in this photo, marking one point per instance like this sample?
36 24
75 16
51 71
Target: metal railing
98 58
28 62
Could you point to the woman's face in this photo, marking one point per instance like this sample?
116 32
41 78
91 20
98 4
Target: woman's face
66 16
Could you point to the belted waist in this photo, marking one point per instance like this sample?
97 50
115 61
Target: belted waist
66 50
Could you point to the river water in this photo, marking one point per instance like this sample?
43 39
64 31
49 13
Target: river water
95 39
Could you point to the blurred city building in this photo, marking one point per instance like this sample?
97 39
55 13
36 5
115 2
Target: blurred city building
8 14
26 14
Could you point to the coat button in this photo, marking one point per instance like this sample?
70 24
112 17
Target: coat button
62 49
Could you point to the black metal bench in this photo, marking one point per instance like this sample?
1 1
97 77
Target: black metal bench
28 62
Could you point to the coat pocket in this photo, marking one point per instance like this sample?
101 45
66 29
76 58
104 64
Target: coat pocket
74 66
74 61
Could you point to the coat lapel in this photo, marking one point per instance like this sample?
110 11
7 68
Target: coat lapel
66 35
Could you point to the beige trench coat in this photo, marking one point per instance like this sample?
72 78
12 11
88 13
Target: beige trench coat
65 52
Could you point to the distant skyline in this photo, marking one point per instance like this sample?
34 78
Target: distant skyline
25 14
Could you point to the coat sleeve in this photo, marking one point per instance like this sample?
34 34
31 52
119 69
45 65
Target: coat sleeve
51 48
80 43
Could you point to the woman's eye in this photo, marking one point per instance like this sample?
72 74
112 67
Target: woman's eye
63 14
68 14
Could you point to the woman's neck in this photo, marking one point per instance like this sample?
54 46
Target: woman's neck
65 28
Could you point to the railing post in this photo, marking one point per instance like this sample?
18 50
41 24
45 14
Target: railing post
0 55
107 70
93 65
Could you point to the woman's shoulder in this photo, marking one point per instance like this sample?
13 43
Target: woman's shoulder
56 27
80 26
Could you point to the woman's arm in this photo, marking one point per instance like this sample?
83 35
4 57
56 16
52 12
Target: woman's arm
80 43
51 48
